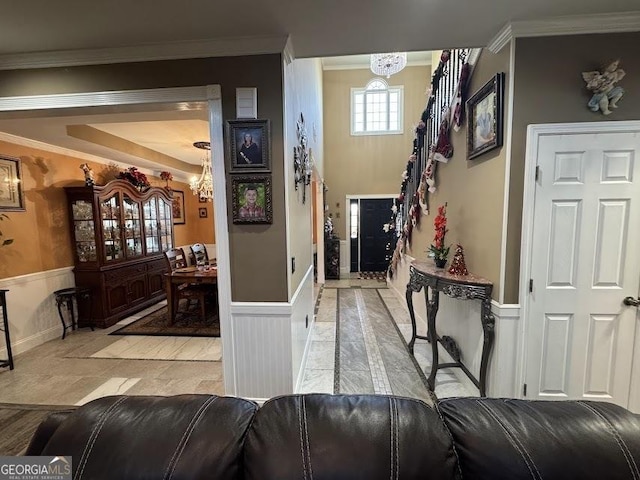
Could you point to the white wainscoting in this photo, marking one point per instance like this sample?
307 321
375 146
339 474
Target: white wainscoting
31 308
270 343
460 319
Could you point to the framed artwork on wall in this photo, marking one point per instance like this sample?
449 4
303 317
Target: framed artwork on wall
178 208
11 188
485 111
251 198
202 212
249 148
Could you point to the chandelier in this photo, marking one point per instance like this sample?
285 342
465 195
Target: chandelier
203 186
388 63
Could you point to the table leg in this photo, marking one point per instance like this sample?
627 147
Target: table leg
409 296
60 301
432 310
488 326
171 303
73 317
7 337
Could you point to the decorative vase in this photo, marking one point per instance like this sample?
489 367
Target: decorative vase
440 262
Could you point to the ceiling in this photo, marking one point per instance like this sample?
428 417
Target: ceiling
317 28
41 29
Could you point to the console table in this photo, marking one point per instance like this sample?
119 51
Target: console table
5 324
428 276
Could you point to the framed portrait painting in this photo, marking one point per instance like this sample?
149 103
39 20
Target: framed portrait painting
249 147
11 189
251 198
485 111
178 208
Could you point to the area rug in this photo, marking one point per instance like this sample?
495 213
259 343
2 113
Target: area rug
19 422
187 324
380 276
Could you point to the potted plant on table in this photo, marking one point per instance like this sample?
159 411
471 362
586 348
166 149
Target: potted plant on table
438 249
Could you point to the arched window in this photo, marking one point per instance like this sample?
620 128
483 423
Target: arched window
376 109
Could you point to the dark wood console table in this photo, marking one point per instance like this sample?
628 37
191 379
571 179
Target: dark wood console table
428 276
5 326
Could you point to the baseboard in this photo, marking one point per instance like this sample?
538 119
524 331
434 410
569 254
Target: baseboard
24 344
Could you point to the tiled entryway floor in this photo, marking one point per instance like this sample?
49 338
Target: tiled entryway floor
359 345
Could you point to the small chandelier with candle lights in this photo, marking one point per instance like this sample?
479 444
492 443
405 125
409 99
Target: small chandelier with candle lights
203 186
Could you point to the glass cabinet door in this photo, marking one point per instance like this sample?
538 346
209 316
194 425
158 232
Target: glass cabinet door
132 227
84 230
110 212
166 239
150 210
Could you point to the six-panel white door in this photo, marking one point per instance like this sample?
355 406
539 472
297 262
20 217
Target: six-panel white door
585 260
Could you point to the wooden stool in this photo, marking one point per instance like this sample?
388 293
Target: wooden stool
65 297
5 323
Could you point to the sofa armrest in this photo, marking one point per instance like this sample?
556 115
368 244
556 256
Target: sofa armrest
45 430
512 439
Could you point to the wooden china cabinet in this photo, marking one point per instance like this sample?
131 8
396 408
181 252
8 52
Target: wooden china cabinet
119 237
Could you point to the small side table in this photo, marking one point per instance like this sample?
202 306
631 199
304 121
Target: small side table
5 327
65 297
426 275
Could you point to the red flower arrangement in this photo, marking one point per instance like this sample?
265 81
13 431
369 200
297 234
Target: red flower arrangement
166 176
135 178
437 248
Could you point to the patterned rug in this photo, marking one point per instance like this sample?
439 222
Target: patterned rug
380 276
187 324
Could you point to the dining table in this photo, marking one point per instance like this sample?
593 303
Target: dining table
188 275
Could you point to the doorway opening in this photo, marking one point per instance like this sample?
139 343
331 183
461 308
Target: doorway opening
369 245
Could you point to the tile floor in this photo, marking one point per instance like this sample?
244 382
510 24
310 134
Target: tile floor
363 317
359 345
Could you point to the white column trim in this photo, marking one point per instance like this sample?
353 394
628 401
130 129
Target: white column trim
102 99
507 170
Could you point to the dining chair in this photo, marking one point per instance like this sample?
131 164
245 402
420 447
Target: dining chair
199 254
176 259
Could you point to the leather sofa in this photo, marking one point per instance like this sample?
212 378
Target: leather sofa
319 436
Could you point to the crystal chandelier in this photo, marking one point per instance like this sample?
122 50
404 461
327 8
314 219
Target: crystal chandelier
388 63
203 186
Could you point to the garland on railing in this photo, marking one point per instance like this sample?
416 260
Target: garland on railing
440 150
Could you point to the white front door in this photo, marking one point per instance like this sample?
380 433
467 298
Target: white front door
585 260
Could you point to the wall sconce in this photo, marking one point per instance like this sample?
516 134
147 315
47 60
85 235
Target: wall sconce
302 159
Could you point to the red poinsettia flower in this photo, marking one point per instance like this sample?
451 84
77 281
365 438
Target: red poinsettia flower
440 252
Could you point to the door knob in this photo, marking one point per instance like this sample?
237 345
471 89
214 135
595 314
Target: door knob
632 302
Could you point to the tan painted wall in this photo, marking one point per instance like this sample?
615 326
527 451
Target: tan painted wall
549 89
41 233
366 164
474 192
258 253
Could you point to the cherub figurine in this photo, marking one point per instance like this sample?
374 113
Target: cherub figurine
605 94
88 175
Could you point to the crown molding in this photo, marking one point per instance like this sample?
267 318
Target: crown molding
567 25
228 47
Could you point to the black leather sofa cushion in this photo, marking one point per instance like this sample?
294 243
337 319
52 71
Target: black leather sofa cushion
323 437
179 437
516 439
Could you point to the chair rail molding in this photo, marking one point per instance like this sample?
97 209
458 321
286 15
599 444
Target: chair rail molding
566 25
